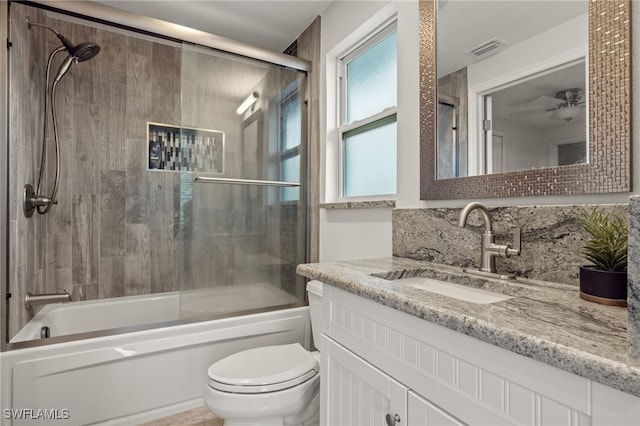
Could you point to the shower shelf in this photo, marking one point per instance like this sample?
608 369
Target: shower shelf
232 181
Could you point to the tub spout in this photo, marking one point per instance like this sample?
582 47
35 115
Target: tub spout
31 300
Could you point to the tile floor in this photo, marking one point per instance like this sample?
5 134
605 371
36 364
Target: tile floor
197 417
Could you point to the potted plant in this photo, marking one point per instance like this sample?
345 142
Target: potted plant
606 280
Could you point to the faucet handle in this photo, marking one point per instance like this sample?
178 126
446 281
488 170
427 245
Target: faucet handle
515 250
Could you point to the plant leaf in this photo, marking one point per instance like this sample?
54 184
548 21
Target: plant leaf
607 248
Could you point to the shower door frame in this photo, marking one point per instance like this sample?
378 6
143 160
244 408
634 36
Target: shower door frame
109 16
143 24
4 184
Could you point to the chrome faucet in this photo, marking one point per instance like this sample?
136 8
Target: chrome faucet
489 248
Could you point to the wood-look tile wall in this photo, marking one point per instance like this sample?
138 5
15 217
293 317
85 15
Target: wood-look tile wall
118 228
308 47
28 245
111 233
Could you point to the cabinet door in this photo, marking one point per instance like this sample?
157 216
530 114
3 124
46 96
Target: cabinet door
423 412
356 393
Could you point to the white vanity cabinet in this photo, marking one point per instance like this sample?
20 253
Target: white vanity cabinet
360 394
422 412
377 361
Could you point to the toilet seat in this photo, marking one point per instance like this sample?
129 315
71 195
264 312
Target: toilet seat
265 369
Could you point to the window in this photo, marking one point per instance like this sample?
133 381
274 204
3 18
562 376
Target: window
285 139
290 136
367 124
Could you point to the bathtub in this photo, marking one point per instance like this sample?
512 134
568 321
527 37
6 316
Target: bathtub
109 363
129 313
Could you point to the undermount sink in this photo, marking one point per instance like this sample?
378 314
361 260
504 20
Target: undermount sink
456 291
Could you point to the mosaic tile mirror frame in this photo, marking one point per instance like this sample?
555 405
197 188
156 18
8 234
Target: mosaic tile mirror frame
609 167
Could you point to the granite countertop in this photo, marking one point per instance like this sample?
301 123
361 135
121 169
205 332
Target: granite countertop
544 321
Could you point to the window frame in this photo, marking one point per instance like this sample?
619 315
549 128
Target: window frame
293 92
372 39
290 94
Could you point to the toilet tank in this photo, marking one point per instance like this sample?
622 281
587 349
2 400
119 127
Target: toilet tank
314 291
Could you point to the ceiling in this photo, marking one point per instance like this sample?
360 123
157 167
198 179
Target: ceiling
463 25
271 25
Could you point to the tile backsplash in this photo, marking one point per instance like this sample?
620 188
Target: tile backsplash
551 238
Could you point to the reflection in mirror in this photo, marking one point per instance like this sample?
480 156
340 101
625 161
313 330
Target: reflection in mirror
448 141
599 162
510 96
536 122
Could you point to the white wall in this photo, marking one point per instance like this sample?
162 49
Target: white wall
561 134
365 233
354 234
360 233
523 145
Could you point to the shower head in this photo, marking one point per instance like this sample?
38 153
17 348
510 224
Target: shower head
84 51
80 53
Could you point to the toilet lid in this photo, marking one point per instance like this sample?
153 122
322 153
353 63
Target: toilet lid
264 369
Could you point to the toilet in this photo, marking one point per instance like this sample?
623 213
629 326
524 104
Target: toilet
270 385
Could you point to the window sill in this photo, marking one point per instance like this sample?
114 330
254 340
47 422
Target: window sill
375 204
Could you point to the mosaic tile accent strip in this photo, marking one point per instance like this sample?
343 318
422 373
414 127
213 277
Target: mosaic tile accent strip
609 118
292 49
185 149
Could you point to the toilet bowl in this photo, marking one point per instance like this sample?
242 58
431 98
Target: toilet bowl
271 385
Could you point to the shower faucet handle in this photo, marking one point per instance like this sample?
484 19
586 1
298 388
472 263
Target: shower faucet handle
31 201
41 200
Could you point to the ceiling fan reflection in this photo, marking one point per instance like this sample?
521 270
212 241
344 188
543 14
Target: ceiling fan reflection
566 104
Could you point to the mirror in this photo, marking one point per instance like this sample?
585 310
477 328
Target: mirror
512 119
516 90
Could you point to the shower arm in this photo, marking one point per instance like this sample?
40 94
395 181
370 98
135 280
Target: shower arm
30 24
67 44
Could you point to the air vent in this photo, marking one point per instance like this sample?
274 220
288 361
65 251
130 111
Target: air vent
491 46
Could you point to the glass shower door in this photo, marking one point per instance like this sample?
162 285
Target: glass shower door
242 197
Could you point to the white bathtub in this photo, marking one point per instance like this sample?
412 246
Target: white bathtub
136 311
129 378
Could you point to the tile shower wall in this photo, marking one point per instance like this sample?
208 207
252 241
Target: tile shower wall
551 238
119 229
113 232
